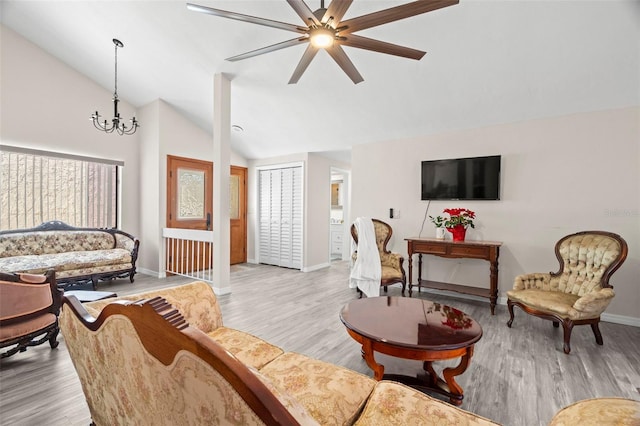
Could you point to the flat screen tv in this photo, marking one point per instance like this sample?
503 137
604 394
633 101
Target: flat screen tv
476 178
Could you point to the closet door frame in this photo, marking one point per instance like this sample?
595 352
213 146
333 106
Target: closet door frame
259 204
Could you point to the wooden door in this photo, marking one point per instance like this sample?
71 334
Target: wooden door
238 214
189 206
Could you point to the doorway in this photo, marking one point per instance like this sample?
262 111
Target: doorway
190 206
339 237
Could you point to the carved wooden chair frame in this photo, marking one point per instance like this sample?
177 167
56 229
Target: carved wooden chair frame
48 333
568 324
385 281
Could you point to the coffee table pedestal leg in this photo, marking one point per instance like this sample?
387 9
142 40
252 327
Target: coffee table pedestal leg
430 381
449 377
367 354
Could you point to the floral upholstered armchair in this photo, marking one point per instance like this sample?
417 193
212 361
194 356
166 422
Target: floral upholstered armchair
580 291
392 270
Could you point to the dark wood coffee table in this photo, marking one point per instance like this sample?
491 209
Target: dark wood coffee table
90 296
414 329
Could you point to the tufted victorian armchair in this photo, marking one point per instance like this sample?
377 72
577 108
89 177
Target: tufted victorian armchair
580 291
29 308
392 270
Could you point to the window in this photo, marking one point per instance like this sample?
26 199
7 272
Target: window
39 186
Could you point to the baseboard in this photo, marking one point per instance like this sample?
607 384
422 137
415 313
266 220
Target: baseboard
149 272
620 319
315 267
613 318
221 291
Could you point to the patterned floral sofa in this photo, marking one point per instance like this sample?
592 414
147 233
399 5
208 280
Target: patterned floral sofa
80 256
168 359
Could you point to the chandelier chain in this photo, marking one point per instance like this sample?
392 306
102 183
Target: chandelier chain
115 93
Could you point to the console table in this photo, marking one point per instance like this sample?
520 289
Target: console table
486 250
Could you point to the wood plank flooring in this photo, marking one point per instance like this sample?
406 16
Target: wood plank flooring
518 376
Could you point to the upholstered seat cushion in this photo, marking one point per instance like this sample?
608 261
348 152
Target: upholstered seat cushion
395 404
391 273
92 261
555 302
599 412
249 349
332 395
26 327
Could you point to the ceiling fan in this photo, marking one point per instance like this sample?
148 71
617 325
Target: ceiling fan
325 29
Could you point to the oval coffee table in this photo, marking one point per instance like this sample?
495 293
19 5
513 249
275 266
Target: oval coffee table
414 329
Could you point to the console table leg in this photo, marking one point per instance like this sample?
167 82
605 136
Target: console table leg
410 273
493 270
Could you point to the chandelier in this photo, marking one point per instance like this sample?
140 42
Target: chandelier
116 124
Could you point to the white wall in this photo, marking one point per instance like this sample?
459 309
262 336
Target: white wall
47 105
317 200
318 211
559 175
167 133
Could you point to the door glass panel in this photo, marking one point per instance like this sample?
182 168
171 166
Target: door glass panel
190 197
234 202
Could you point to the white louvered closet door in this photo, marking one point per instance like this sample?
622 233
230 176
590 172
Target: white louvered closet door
281 217
264 248
296 218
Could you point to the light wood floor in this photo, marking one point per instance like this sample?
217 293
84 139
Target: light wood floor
518 376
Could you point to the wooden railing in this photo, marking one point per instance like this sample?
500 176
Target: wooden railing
189 252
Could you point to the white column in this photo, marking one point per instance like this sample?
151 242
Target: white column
221 171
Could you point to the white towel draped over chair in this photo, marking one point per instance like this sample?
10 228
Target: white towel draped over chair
366 270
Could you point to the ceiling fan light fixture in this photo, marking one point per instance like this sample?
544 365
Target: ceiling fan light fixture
322 37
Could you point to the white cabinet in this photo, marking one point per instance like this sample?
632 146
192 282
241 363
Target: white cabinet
337 240
280 217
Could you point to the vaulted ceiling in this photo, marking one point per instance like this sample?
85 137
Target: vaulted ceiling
488 62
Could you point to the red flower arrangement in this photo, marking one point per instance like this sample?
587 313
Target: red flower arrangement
457 223
457 217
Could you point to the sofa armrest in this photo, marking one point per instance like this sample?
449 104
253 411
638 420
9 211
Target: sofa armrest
196 301
536 280
594 303
392 260
124 242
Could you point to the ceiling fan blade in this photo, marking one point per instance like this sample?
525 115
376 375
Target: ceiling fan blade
306 59
360 42
246 18
267 49
339 55
393 14
304 12
336 9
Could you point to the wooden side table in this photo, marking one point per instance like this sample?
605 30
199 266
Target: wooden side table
486 250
